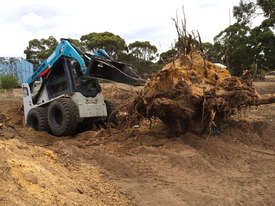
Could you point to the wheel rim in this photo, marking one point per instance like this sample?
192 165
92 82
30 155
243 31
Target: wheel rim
56 116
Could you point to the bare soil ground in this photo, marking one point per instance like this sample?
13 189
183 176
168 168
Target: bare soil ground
138 166
267 86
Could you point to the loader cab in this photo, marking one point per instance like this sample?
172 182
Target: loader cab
66 78
58 80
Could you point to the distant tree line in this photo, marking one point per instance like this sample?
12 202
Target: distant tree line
240 46
141 54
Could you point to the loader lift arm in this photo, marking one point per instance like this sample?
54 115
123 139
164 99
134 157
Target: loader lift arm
100 65
63 49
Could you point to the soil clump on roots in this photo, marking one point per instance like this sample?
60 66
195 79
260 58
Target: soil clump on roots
192 94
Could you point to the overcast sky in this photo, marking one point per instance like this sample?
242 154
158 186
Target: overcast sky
23 20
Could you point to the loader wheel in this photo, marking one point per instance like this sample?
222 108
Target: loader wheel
63 117
37 119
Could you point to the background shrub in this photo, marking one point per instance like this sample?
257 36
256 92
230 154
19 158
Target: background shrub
8 81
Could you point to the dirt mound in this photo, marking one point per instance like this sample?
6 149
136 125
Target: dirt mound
118 94
32 175
191 93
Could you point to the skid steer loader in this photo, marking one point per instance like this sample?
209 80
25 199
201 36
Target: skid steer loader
64 90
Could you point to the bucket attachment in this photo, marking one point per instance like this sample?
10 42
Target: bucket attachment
108 69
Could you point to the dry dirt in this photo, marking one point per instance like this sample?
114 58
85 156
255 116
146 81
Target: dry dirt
138 166
265 87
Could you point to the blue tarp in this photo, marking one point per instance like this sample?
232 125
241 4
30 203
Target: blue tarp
19 67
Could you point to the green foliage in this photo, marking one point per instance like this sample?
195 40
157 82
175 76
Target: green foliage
143 50
141 54
268 7
110 42
39 50
140 65
77 43
165 57
245 11
234 48
262 40
239 46
148 67
212 52
8 81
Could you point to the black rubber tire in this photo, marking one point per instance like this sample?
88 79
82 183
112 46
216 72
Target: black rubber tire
63 117
38 119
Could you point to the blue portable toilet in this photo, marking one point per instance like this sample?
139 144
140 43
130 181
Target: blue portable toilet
19 67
